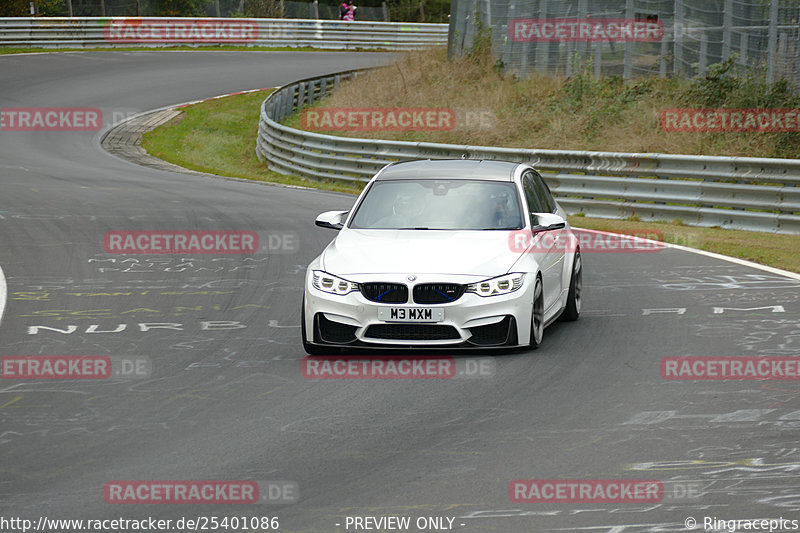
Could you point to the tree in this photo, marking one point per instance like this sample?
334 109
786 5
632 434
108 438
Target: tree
178 8
22 8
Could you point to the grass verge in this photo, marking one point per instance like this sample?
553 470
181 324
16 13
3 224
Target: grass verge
495 108
219 136
779 251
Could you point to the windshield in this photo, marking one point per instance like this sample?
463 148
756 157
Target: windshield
439 204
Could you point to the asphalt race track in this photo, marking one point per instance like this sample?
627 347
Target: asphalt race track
226 400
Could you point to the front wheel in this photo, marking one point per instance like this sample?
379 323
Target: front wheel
573 309
537 319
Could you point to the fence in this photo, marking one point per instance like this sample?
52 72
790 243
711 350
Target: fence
115 32
758 194
688 35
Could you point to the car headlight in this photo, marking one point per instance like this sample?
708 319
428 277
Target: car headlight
332 284
497 286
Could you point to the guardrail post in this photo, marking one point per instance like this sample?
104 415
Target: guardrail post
279 104
301 95
318 94
288 104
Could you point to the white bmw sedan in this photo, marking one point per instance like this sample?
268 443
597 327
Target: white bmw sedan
443 254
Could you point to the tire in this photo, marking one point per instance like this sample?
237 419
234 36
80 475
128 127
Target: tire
573 309
537 317
311 349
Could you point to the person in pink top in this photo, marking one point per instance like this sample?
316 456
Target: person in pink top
347 11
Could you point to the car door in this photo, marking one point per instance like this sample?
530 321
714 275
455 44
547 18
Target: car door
547 246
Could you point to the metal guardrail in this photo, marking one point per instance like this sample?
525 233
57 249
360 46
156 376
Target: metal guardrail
760 194
80 32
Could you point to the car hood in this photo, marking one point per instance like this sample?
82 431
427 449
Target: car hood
483 253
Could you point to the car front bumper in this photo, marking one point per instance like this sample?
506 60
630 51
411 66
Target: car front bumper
474 321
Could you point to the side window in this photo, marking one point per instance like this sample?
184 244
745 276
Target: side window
535 204
544 193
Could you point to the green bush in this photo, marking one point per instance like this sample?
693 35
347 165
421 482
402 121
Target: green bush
418 10
723 87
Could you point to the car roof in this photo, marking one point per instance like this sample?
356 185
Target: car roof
449 169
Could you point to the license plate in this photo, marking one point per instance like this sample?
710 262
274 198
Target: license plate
410 314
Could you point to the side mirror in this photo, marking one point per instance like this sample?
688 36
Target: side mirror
547 222
331 219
